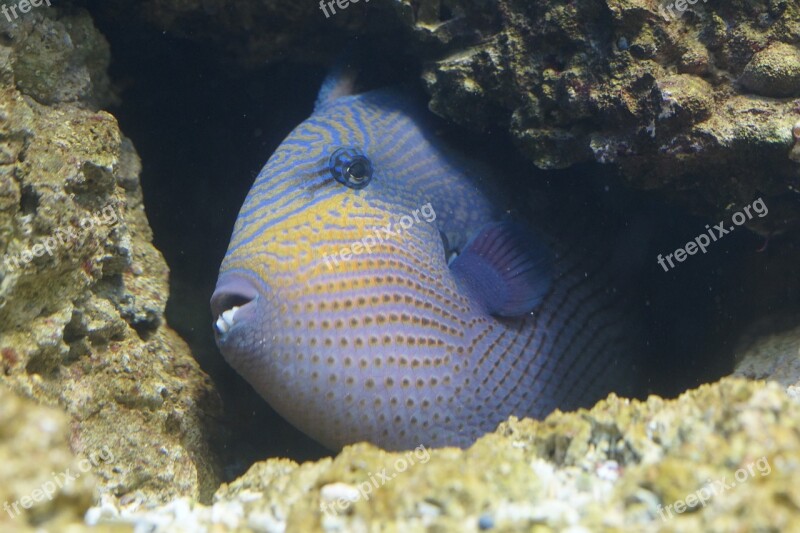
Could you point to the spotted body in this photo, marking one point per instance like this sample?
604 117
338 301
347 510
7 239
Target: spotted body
395 344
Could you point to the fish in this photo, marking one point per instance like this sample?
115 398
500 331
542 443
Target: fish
375 289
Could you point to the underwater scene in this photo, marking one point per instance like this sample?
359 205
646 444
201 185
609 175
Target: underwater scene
400 265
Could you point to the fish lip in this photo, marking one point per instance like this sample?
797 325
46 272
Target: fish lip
233 303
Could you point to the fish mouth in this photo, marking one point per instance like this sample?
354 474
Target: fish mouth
233 302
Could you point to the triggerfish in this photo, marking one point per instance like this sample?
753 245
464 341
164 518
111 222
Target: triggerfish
375 290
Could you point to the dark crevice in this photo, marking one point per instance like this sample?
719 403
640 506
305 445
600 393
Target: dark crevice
203 130
29 200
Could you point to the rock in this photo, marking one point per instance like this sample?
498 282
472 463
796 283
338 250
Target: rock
664 107
586 81
61 61
82 289
616 466
774 71
772 353
38 470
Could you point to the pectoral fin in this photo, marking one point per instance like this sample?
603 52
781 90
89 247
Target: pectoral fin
507 269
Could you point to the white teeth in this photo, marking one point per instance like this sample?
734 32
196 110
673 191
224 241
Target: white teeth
226 319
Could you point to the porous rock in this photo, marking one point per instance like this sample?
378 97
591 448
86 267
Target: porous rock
41 480
698 104
82 289
617 466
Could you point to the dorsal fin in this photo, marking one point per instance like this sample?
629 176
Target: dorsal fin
340 81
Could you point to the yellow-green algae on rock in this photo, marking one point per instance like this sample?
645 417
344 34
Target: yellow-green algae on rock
604 469
38 469
82 325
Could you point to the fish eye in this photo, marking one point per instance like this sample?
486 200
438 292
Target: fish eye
350 167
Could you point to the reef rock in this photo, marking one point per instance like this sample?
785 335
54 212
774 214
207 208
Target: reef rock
698 102
676 103
774 71
42 481
714 459
82 289
772 353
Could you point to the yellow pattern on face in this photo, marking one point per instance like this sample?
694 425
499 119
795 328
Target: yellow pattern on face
327 236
